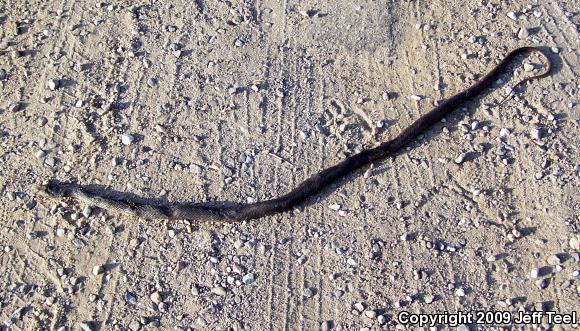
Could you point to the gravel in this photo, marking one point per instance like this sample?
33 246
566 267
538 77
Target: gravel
87 326
98 269
326 325
248 279
135 325
359 306
155 297
524 33
513 15
53 84
574 242
87 211
370 314
127 139
460 158
219 290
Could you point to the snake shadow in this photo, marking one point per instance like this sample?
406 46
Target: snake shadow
452 121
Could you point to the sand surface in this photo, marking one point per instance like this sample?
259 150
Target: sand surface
213 100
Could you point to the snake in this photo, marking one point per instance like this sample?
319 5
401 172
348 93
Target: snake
316 184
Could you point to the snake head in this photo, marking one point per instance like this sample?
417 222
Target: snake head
52 188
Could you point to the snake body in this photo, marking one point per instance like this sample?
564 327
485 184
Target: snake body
305 190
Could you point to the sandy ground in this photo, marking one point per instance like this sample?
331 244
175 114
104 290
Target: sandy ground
240 100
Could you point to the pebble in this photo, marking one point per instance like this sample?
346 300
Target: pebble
326 326
528 67
174 47
40 154
41 121
249 279
474 125
334 207
86 326
512 15
162 307
541 283
155 297
3 74
53 84
523 33
15 107
370 313
201 321
135 325
78 242
555 50
359 307
463 327
460 158
535 273
87 211
14 54
51 161
308 293
218 290
460 292
196 169
98 269
405 236
130 298
554 260
416 97
429 299
536 133
151 82
381 319
195 290
127 139
574 243
504 132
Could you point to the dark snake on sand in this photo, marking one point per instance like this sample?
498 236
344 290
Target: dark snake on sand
310 187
